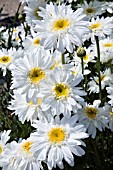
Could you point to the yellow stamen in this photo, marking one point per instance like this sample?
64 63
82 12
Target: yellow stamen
111 113
60 24
56 135
0 148
101 78
36 75
17 38
85 58
91 112
5 59
108 45
37 41
61 90
90 11
26 146
95 26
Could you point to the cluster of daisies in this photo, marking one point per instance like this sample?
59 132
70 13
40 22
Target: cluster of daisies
52 80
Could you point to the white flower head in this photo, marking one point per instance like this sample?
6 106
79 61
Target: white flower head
18 156
93 117
100 27
106 78
57 140
92 9
60 92
25 108
60 28
6 59
4 137
30 71
32 10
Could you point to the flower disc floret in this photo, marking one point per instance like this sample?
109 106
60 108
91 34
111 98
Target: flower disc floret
36 74
91 112
26 146
5 59
56 135
60 24
61 91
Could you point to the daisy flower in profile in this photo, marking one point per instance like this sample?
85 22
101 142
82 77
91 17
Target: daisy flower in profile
60 92
110 92
100 27
91 9
26 109
6 59
32 9
57 140
63 28
106 48
93 117
4 137
109 115
106 79
28 72
32 43
108 6
18 156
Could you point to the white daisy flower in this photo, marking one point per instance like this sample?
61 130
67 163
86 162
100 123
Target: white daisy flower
4 137
106 79
30 71
108 6
92 9
19 156
89 57
110 118
6 59
106 48
93 117
63 28
60 92
32 9
57 140
101 27
110 92
26 109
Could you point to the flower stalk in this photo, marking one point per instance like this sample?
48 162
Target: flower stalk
98 67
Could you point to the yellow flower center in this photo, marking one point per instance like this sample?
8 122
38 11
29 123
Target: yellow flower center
60 24
15 30
101 78
57 135
17 38
37 42
85 58
36 75
5 59
108 45
91 112
111 113
90 11
61 91
95 26
0 148
26 146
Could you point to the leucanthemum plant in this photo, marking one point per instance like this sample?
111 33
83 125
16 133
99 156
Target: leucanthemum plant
56 68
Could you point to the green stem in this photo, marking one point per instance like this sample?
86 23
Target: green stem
97 155
98 67
63 59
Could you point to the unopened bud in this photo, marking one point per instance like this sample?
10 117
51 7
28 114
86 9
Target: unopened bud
81 52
